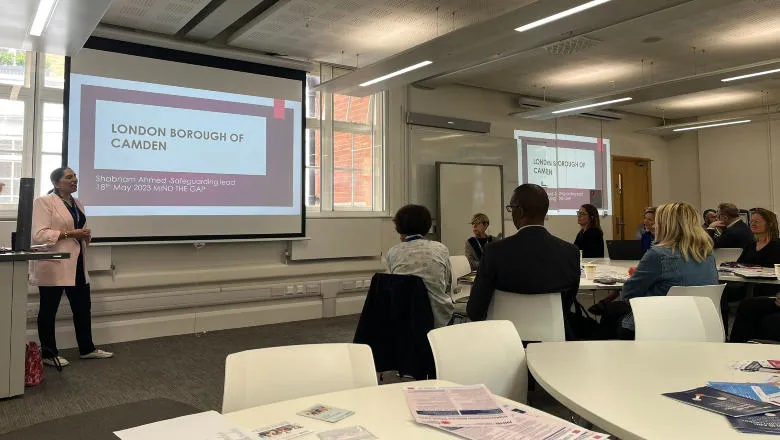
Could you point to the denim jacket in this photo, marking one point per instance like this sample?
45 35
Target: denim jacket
660 269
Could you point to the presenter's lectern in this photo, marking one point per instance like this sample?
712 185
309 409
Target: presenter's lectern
13 317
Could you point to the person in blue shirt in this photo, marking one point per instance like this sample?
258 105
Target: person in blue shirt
647 237
682 256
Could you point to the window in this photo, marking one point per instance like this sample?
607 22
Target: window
51 144
11 146
13 67
54 71
344 150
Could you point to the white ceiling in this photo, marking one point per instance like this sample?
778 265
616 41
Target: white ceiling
372 29
612 55
738 33
72 21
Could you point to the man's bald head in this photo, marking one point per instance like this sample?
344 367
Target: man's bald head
529 205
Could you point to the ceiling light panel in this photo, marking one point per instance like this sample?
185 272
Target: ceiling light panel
42 16
161 16
561 15
714 124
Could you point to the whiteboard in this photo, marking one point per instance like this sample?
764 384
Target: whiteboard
464 190
430 145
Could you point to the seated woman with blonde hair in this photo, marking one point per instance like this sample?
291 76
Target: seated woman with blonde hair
475 245
682 256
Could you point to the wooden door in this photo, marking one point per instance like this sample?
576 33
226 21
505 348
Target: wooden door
628 212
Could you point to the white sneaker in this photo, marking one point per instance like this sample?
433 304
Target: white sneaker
97 354
50 361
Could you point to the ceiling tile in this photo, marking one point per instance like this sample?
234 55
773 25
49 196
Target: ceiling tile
163 16
374 29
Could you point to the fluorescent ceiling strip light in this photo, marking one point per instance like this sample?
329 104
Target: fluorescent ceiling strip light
750 75
396 73
719 124
562 14
592 105
42 16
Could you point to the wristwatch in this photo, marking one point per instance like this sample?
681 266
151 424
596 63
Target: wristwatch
66 235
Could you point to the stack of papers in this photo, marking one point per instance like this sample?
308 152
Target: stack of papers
749 407
763 366
472 412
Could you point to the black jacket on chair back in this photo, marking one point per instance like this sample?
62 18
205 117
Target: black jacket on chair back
395 322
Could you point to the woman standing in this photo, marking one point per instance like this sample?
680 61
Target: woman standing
590 239
476 244
683 256
59 221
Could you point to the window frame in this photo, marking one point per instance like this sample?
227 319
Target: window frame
328 126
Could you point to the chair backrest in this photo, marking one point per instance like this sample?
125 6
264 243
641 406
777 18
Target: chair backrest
486 352
713 292
727 255
677 318
460 266
536 317
267 375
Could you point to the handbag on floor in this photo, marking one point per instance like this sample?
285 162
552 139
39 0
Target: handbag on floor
33 365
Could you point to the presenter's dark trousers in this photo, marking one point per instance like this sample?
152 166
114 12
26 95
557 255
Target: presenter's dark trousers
757 318
80 305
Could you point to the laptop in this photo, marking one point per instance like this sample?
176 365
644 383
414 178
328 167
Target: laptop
625 249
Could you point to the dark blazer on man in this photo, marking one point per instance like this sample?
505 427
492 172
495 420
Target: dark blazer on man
533 261
737 235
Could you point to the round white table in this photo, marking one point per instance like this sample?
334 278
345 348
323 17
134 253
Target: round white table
617 385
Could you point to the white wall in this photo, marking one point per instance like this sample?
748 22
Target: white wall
728 164
735 165
494 107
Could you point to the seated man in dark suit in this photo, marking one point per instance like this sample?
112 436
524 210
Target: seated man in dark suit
532 261
729 231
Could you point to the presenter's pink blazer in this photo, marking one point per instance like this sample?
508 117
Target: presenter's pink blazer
50 217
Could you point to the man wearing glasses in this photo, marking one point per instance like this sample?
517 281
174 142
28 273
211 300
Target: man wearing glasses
532 261
729 231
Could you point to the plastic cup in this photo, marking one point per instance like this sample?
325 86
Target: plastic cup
590 271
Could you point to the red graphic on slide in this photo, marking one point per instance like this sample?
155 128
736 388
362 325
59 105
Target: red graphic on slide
110 187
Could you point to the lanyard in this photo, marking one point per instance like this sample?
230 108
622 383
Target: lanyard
74 210
413 237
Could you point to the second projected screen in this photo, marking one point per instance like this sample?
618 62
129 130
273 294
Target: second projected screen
574 170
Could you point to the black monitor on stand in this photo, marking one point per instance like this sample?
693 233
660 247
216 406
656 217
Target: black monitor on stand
23 235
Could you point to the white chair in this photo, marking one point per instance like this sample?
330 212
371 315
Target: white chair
727 255
487 352
267 375
460 267
676 318
713 292
536 317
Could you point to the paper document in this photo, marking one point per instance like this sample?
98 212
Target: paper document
455 406
761 424
763 392
209 425
326 413
528 424
350 433
281 431
763 366
727 404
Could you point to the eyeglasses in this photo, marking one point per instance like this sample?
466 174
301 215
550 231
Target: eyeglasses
510 208
582 214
